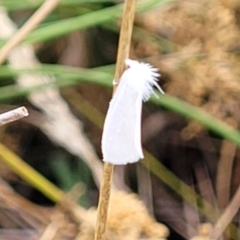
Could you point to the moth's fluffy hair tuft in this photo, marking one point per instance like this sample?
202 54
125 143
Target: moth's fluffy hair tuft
149 74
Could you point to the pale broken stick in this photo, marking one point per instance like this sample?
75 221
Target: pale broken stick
13 115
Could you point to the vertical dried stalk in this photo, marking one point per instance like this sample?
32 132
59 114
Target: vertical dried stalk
123 53
226 217
125 38
224 175
104 201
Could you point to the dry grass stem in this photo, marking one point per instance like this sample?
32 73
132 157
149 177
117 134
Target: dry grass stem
13 115
51 230
123 53
49 233
124 39
224 176
226 217
104 202
32 23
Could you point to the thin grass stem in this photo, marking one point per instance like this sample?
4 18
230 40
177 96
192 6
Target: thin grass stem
123 54
31 24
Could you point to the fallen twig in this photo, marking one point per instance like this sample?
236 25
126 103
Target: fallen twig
13 115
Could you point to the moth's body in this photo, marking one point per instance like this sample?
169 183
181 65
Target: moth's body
121 140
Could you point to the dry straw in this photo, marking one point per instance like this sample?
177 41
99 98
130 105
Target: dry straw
13 115
123 54
31 24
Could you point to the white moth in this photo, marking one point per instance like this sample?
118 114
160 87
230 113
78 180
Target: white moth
121 139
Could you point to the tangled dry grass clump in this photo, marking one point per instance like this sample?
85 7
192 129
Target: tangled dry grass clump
202 65
128 219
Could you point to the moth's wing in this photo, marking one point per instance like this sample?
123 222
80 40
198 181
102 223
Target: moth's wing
138 137
121 140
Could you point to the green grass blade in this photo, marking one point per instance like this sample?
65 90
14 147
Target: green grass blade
30 175
222 129
87 20
13 5
70 75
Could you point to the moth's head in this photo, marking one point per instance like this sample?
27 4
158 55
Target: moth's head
143 70
131 63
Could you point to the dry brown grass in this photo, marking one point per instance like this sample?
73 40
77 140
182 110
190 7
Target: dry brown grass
204 67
